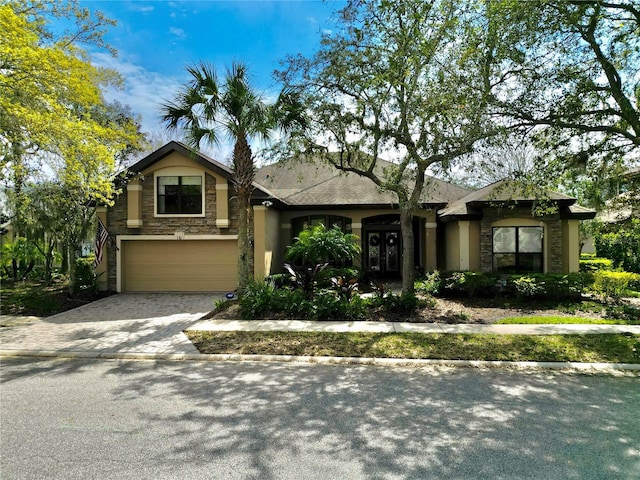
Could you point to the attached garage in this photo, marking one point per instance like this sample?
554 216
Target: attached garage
171 265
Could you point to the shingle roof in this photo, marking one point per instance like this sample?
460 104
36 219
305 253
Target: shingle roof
508 191
306 183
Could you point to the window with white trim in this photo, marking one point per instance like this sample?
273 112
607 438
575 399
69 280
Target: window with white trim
179 195
517 249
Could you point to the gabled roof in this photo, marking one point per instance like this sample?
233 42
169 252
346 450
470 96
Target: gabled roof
200 158
509 192
183 149
307 183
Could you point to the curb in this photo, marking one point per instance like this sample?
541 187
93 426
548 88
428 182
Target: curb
594 367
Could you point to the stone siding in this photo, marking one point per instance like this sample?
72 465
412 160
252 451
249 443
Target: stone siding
151 225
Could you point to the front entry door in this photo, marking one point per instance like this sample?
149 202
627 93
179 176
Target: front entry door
383 252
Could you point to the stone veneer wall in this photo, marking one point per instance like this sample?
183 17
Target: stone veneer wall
151 225
553 240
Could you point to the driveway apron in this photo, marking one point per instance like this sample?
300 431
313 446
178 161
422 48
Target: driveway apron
122 323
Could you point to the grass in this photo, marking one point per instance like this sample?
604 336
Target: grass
608 348
554 319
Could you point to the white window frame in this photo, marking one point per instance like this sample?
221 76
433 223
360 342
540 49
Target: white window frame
177 172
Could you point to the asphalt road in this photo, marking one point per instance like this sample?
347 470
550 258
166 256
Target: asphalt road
78 419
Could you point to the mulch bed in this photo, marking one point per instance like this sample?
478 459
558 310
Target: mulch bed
446 311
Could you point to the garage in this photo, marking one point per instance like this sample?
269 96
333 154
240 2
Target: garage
178 265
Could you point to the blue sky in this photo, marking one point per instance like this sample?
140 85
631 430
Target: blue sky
156 39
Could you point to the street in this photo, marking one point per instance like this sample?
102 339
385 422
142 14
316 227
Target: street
99 419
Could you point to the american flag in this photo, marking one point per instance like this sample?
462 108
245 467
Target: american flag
101 237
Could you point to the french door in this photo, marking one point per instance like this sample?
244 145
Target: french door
383 252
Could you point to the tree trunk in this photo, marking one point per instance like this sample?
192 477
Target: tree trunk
243 178
408 269
64 265
244 202
71 255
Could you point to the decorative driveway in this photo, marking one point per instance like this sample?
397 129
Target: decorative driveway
122 323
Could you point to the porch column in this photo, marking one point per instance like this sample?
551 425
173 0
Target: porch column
102 270
572 246
465 252
134 204
430 247
222 203
356 229
259 241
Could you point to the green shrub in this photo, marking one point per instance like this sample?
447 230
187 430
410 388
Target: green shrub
430 284
85 276
263 299
256 299
620 243
593 264
527 287
613 284
470 283
402 304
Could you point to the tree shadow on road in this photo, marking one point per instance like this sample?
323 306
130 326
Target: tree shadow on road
394 422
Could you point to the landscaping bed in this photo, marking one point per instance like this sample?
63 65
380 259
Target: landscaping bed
37 299
480 311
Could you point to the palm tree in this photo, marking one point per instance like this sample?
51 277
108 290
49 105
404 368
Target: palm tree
207 110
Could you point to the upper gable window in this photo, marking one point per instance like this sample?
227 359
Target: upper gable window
179 195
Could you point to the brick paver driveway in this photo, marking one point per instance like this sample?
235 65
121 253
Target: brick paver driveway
123 323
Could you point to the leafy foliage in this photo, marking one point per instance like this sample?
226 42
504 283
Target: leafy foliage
557 286
613 284
398 81
593 264
621 245
570 70
19 258
85 275
317 245
262 299
51 104
430 284
306 278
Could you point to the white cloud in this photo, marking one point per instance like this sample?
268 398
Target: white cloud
142 8
178 32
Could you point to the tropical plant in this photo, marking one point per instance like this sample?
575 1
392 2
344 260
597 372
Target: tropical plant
306 278
207 109
18 258
317 244
345 286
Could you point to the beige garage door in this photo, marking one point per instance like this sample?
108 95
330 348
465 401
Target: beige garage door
179 265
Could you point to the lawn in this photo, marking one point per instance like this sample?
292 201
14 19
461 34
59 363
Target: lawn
607 348
554 319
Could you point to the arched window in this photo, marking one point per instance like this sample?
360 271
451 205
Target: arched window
298 224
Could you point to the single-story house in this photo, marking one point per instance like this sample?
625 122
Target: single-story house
175 224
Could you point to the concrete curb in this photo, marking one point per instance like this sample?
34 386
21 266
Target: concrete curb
594 367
